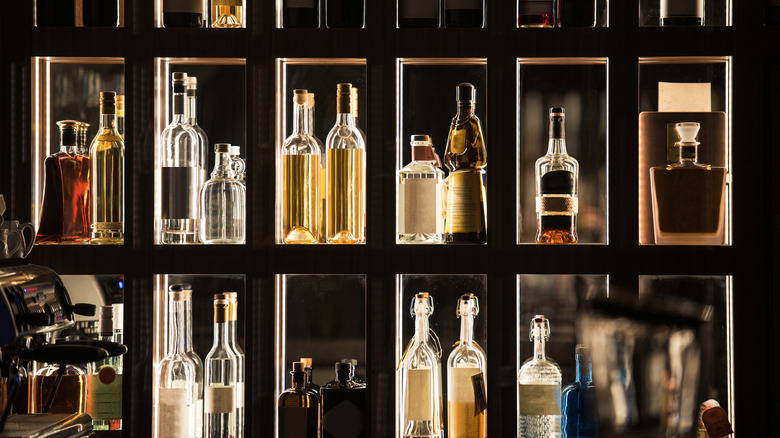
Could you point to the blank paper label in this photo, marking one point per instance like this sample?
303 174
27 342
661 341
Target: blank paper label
417 394
540 399
104 395
219 399
239 395
459 386
176 418
420 206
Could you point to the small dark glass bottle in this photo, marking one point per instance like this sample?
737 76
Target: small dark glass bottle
343 405
55 13
101 13
577 13
300 13
299 409
345 13
419 13
182 13
464 13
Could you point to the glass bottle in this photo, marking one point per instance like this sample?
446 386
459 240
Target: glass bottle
181 172
419 13
300 179
55 13
537 13
81 140
191 112
120 115
70 397
421 377
190 352
240 361
689 202
219 397
227 13
300 13
557 174
223 203
353 105
176 394
682 12
343 404
104 381
299 409
345 13
464 13
65 215
103 13
107 173
237 164
307 366
466 157
323 168
466 383
539 388
577 13
345 175
420 191
183 13
578 401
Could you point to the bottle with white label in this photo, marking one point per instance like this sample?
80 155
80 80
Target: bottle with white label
466 383
104 382
539 388
420 377
420 192
219 396
176 383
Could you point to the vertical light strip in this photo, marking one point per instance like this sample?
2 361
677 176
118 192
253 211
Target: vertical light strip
606 159
399 101
36 140
730 348
281 121
398 347
281 335
730 179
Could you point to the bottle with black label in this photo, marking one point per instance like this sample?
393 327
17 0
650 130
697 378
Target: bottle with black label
101 13
300 13
343 404
345 13
299 408
183 13
419 13
55 13
464 13
556 187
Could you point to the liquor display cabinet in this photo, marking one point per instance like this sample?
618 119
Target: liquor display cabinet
331 302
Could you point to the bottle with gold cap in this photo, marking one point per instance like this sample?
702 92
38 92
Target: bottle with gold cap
240 360
120 115
299 408
420 191
300 178
222 203
107 161
345 198
219 397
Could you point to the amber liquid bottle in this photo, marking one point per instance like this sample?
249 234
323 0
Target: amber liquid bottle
71 395
65 215
299 408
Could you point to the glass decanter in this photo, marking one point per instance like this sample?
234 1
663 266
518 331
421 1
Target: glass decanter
420 192
222 203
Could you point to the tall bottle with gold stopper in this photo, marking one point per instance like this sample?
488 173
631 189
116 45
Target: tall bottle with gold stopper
107 161
240 360
323 166
219 397
466 157
300 178
345 175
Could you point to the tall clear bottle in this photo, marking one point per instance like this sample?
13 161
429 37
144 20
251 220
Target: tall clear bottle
300 178
240 361
107 173
557 174
104 381
353 97
222 203
299 408
346 163
420 192
578 400
180 172
219 397
191 111
466 382
177 390
466 157
421 378
539 388
323 167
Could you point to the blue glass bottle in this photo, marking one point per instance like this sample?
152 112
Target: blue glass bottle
578 400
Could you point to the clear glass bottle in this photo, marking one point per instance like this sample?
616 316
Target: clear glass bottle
323 167
107 173
181 173
420 193
104 381
353 96
300 178
578 400
120 115
536 13
191 112
240 361
466 381
421 378
682 12
219 396
346 161
689 202
299 408
237 164
466 157
227 13
343 404
177 389
190 352
557 174
539 388
223 203
65 215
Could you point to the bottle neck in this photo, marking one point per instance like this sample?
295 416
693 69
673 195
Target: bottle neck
107 122
557 143
222 165
300 120
345 119
310 124
191 110
298 379
465 109
187 326
583 369
221 333
178 107
689 153
539 345
421 328
466 329
178 328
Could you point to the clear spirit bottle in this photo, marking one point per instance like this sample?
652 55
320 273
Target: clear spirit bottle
346 161
104 381
191 112
219 397
420 192
300 178
181 172
579 400
343 404
240 361
299 408
689 202
120 115
65 215
557 174
466 157
539 388
421 377
227 13
466 381
107 173
178 392
222 203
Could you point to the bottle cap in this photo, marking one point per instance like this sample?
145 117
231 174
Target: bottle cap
300 97
107 102
422 149
221 147
345 367
232 296
235 150
179 82
119 316
69 125
688 132
353 101
582 350
310 100
106 320
192 82
180 291
557 111
120 104
344 98
468 305
306 362
298 367
465 92
83 126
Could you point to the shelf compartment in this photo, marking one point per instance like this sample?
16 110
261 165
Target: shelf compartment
78 12
580 86
715 12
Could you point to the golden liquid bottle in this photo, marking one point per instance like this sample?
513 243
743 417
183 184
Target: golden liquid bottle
70 397
107 159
